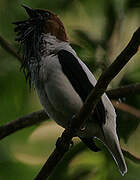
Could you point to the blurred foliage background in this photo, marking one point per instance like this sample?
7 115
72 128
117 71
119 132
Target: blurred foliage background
98 31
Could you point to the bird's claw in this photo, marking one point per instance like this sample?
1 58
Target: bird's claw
71 143
62 146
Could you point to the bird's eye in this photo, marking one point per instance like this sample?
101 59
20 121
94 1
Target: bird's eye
47 14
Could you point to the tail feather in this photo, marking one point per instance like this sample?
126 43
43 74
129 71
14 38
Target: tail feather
117 154
112 143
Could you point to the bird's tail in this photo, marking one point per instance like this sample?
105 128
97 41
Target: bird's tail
112 143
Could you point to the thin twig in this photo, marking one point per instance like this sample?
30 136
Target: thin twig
124 91
89 105
126 108
20 123
9 48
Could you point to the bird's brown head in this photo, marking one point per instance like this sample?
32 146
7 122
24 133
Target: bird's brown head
52 24
29 34
46 21
55 26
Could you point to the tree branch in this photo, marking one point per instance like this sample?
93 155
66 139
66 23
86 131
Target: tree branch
124 91
126 108
20 123
101 86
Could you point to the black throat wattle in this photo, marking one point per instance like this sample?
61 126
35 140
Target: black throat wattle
29 36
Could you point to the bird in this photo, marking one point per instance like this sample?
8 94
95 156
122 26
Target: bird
63 81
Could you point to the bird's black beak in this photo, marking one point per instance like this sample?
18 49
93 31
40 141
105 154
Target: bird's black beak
31 12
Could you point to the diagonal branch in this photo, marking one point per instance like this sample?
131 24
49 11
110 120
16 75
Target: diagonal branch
101 86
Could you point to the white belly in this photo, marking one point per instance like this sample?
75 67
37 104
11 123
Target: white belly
59 99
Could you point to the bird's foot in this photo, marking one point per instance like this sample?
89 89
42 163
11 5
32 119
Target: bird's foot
64 142
62 146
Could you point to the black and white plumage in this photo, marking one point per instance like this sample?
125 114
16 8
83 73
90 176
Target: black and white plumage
63 84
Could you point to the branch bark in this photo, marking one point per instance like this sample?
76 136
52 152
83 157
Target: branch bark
126 108
89 105
20 123
124 91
